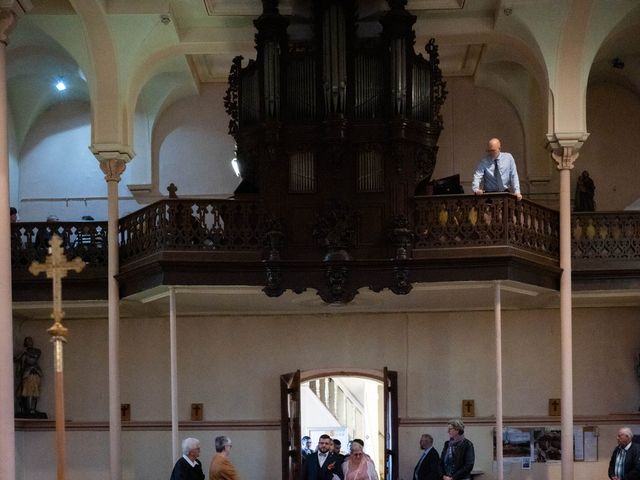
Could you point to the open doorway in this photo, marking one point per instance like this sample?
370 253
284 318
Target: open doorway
385 381
345 407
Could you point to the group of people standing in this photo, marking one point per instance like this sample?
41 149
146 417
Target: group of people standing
328 463
456 461
189 467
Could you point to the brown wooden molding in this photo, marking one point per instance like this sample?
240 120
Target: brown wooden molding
604 419
29 425
49 425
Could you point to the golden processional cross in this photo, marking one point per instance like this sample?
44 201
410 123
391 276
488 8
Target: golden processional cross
56 267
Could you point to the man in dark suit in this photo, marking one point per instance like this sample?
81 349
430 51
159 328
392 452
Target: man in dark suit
188 467
322 464
428 466
625 460
306 446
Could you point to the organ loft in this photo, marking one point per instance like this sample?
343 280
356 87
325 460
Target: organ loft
336 124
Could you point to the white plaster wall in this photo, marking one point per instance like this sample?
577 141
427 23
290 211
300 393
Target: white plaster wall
611 154
471 117
232 365
193 147
58 173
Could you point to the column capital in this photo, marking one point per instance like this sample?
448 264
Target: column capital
10 11
113 159
565 147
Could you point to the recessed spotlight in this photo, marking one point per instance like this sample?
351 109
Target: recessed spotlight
60 85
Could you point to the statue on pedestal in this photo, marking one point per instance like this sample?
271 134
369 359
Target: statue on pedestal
28 379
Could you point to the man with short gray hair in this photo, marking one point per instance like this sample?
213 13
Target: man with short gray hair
625 460
428 466
221 467
188 467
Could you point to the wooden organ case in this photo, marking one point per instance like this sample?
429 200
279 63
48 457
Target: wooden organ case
336 123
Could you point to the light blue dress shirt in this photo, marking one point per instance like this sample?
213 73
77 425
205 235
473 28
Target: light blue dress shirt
485 172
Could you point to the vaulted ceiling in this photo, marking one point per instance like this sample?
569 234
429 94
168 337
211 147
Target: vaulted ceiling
481 39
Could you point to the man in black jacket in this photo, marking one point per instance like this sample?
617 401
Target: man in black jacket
458 456
428 466
322 464
625 460
188 467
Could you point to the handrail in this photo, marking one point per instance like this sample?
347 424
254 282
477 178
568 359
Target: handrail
192 225
463 221
600 240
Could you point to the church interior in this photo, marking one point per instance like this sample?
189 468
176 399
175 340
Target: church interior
274 194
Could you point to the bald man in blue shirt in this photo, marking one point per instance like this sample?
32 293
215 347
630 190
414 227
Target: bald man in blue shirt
497 171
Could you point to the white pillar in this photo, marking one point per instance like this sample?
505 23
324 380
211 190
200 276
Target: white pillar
564 149
7 433
566 360
113 164
173 340
497 309
8 17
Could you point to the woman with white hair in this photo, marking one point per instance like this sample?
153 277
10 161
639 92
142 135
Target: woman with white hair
188 467
358 465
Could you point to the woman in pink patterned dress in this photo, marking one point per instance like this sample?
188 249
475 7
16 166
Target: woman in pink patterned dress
358 465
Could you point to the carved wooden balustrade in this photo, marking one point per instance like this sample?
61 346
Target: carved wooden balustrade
30 241
192 225
463 222
605 240
87 240
449 238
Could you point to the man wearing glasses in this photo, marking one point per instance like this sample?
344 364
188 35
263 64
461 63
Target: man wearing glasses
221 467
458 456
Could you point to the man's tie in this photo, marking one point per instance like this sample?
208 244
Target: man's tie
496 174
321 458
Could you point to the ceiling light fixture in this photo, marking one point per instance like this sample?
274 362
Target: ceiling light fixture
236 167
60 85
234 161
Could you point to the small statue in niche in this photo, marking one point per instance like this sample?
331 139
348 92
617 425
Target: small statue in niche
585 193
28 380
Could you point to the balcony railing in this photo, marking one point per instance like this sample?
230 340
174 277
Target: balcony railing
465 222
30 241
605 240
192 225
204 232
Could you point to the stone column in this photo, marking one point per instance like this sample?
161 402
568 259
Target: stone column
173 347
9 13
113 163
564 150
497 315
